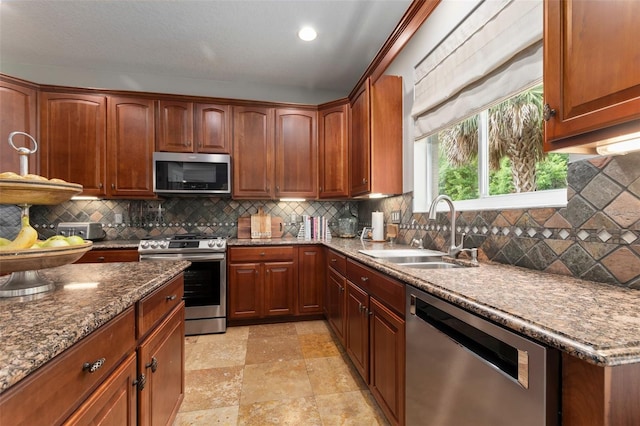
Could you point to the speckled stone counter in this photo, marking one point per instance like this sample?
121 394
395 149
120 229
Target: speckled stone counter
115 244
86 296
598 323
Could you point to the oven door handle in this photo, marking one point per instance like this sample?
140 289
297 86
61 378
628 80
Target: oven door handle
193 257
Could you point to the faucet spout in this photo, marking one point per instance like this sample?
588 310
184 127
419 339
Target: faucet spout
453 248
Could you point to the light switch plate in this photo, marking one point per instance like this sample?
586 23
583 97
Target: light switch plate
395 216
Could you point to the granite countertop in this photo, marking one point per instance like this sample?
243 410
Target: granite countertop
36 329
599 323
115 244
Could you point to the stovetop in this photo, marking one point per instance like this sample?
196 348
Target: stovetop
183 243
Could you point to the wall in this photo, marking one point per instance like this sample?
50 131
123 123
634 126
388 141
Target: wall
171 216
596 237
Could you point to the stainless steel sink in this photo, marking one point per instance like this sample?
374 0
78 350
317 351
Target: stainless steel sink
395 253
431 265
414 259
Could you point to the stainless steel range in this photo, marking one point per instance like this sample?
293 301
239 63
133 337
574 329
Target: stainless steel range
205 281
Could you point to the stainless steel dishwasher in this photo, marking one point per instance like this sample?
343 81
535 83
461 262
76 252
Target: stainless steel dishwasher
464 370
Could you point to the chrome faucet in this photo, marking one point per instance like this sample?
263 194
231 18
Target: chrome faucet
453 249
417 242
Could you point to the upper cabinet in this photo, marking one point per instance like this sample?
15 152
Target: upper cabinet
296 149
274 153
73 139
252 157
130 142
376 138
333 150
591 77
17 114
193 127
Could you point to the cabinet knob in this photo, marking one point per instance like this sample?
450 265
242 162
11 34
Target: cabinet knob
100 185
172 297
262 254
364 180
93 367
320 189
113 186
548 112
334 260
153 364
364 279
100 259
277 188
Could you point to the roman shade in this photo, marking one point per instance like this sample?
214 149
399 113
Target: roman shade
495 52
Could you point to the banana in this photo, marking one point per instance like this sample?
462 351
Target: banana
25 239
4 241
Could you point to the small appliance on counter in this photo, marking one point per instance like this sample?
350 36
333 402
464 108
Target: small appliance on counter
87 230
347 224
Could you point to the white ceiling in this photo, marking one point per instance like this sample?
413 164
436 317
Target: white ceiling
228 48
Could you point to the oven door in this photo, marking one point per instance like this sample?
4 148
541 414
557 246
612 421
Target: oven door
205 289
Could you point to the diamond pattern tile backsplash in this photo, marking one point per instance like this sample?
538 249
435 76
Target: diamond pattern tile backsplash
596 237
171 216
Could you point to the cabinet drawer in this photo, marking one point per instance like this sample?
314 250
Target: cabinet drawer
158 304
259 254
105 256
52 393
337 261
385 289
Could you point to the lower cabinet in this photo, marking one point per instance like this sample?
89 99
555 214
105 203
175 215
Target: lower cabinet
111 377
367 307
109 255
311 271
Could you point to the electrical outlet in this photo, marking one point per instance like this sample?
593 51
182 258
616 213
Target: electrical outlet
395 216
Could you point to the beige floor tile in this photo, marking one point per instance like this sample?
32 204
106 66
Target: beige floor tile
274 381
312 327
212 388
317 345
223 416
272 330
332 375
294 412
232 333
215 354
349 408
262 350
190 339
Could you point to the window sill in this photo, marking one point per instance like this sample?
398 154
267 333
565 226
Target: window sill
537 199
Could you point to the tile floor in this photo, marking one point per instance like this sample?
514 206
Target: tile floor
275 374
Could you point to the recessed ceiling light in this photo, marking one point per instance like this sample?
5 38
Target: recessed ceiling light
307 34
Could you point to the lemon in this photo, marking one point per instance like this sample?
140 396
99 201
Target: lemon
75 240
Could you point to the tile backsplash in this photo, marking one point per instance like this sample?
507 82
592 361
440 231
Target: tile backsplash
595 237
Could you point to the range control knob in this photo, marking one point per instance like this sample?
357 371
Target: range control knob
220 243
211 243
164 244
153 244
144 244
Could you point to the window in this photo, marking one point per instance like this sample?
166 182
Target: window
495 159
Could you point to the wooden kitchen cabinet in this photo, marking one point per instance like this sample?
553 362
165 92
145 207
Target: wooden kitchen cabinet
109 255
275 153
130 145
376 138
114 402
17 114
375 335
262 282
253 152
296 153
333 150
591 78
335 293
193 127
73 137
311 273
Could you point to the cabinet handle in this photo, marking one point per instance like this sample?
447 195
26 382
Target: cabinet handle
548 112
262 254
100 259
92 368
153 364
172 297
341 288
140 382
113 186
100 185
334 260
364 279
364 180
320 189
360 307
370 313
277 188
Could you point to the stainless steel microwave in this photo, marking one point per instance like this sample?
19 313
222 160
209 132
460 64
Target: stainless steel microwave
191 174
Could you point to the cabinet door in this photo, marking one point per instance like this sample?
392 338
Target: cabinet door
311 271
335 303
109 255
175 124
387 363
212 128
253 139
279 288
114 402
333 152
296 154
161 360
360 161
357 324
130 143
17 114
245 291
73 139
591 67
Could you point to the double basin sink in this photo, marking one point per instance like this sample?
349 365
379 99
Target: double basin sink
413 258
